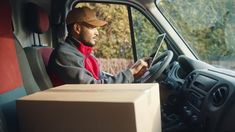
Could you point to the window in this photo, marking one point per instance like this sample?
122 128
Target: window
115 48
145 35
207 26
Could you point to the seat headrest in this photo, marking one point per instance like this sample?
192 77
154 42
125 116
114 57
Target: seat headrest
37 19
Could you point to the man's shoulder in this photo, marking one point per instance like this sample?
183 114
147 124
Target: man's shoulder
67 48
64 44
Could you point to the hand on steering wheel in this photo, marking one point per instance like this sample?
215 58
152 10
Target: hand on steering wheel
158 66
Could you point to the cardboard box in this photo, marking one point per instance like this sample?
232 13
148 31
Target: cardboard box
92 108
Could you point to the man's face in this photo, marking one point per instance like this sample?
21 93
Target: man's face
88 34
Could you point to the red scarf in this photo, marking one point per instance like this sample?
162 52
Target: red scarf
91 64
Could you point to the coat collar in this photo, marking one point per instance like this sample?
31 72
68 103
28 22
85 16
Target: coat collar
84 49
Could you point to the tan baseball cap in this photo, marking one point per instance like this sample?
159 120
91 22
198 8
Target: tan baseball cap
86 15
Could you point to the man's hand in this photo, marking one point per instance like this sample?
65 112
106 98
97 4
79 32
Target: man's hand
139 68
148 60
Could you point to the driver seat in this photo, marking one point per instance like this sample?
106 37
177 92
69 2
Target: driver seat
38 55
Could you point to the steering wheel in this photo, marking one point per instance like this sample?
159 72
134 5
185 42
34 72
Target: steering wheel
158 66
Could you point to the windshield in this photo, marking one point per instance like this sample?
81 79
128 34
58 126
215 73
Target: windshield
207 26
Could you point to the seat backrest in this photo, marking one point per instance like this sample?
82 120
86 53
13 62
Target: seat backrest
14 72
38 58
45 53
11 84
29 81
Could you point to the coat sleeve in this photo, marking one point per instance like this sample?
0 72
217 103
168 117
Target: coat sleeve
69 65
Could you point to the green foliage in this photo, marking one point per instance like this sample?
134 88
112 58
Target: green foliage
145 35
142 31
204 24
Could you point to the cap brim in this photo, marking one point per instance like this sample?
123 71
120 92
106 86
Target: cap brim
97 23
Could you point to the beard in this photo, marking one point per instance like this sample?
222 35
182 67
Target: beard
89 44
85 42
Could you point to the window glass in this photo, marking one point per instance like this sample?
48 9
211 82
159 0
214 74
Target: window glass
146 35
207 26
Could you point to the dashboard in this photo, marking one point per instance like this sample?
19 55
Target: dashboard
206 94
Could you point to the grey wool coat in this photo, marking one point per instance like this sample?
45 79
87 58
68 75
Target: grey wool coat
68 63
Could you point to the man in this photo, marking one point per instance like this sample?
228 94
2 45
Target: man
73 62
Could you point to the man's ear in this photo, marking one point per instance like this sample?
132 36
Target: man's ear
77 28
